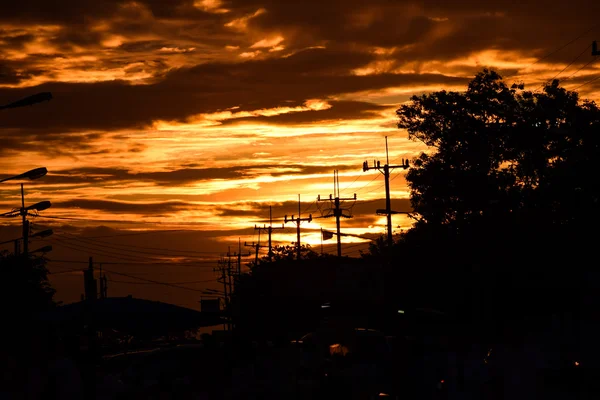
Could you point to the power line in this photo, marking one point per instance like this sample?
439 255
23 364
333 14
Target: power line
153 223
593 60
565 68
137 263
66 271
588 82
128 257
170 283
90 250
116 247
152 281
559 49
152 248
140 233
368 183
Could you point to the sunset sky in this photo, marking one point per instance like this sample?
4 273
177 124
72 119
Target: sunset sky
193 117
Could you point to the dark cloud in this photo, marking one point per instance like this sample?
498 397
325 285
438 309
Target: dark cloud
124 208
260 210
99 176
363 209
50 144
389 22
11 76
108 175
80 11
209 87
340 110
15 42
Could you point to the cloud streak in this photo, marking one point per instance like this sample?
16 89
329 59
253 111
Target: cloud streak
202 114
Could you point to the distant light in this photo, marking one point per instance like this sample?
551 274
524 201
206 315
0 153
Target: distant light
384 395
400 311
577 363
442 381
326 305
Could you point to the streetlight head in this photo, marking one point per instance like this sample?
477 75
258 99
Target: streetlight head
41 206
35 173
43 234
45 249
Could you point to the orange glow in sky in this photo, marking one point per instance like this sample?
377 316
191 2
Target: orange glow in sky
200 115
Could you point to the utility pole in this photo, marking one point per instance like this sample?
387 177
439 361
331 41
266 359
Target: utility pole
256 247
91 294
385 170
239 256
221 269
103 284
269 230
90 287
25 224
337 210
229 271
595 51
298 221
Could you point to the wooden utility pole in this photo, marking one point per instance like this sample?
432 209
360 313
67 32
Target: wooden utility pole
298 221
221 269
269 230
337 211
385 170
25 225
229 271
256 247
238 256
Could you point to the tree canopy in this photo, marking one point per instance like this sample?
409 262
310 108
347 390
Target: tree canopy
506 194
504 161
25 287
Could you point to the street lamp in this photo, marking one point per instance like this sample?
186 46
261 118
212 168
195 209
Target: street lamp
24 211
31 174
42 234
29 100
40 206
45 249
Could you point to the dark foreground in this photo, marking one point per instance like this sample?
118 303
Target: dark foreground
324 364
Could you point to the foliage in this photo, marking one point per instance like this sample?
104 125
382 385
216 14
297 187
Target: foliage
504 157
508 188
290 252
25 284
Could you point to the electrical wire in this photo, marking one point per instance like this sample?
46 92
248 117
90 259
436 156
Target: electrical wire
138 233
564 69
587 83
133 257
131 261
170 283
558 49
65 271
100 243
153 281
592 61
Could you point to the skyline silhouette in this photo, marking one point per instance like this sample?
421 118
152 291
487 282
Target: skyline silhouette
198 116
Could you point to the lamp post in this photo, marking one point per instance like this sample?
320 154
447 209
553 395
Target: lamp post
40 206
35 173
29 100
31 175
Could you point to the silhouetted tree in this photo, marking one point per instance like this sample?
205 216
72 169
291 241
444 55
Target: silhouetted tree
25 288
508 188
290 252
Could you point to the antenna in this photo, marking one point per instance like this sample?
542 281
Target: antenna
387 155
